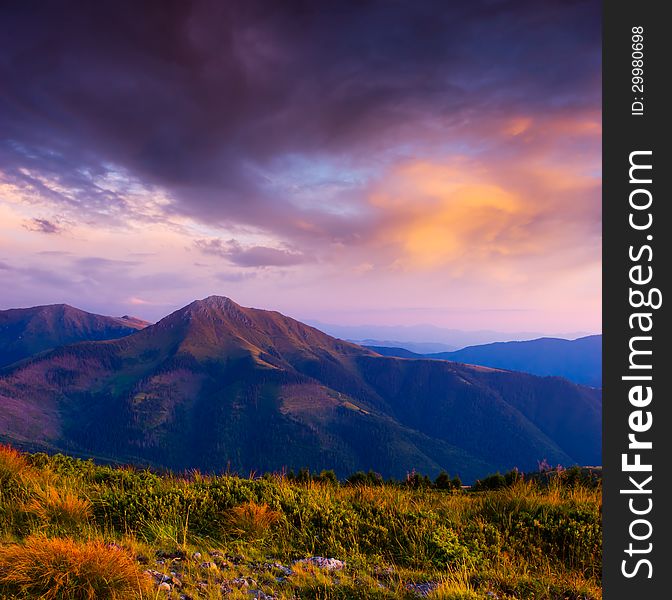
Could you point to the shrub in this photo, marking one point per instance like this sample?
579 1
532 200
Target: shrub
362 478
446 548
513 477
63 569
577 476
444 482
491 482
327 477
416 481
303 476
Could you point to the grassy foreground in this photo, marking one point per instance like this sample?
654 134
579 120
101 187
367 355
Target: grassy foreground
73 529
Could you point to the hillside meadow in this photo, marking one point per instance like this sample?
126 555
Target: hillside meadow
72 529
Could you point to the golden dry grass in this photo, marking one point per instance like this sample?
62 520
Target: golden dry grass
63 569
13 466
252 521
60 508
555 494
532 538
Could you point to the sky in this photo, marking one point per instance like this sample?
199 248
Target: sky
355 162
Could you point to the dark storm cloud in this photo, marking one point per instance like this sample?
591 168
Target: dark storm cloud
67 177
206 98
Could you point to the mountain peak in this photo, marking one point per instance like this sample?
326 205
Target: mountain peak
134 322
47 308
28 331
217 309
216 326
216 302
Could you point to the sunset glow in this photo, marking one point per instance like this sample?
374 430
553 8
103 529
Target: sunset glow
331 173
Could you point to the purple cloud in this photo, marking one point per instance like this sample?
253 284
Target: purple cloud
207 99
335 131
252 256
42 226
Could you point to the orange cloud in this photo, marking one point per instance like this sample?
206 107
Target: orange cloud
523 206
440 213
517 126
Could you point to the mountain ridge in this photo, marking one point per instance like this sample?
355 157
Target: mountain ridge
25 332
578 360
216 384
407 336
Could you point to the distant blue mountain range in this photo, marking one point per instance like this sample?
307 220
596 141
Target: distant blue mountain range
426 339
578 360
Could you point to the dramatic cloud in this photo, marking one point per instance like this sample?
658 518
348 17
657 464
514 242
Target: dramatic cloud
333 145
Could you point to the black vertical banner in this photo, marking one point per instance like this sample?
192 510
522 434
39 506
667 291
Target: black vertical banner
637 404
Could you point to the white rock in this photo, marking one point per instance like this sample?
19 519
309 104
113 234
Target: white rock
329 564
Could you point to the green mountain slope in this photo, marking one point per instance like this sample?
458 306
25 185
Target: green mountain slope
215 386
25 332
